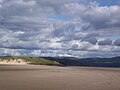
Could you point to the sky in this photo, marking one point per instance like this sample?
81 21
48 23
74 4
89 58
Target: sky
73 28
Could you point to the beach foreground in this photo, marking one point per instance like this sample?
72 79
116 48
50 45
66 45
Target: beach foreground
37 77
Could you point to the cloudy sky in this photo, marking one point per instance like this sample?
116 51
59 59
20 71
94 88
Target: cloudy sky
80 28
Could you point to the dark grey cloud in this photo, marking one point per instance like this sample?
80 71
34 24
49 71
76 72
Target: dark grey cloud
105 42
117 42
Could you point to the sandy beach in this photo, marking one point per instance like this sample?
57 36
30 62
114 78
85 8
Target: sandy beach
33 77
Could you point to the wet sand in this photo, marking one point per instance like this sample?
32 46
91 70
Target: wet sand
31 77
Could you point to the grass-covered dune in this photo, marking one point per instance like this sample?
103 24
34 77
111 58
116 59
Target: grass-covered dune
28 60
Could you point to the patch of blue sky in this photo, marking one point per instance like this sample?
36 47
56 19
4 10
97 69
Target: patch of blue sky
61 17
107 2
116 36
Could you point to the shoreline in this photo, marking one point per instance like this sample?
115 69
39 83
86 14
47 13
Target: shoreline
76 67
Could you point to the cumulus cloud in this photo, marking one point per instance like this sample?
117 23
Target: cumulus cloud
59 28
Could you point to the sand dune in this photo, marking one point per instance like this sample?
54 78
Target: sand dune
31 77
15 61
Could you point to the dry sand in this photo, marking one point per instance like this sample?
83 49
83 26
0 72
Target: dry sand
31 77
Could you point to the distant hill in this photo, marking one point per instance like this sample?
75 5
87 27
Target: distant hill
94 62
